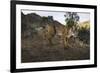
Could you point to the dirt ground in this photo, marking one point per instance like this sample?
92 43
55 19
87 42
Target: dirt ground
36 49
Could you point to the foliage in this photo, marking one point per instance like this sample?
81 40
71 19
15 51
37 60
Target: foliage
84 32
71 18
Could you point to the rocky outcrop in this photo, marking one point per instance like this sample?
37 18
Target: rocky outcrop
33 21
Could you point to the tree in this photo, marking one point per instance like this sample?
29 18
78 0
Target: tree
71 19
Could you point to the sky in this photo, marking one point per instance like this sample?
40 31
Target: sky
59 16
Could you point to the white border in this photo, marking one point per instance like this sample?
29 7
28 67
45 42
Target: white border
20 65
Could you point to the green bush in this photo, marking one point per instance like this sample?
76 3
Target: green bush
84 35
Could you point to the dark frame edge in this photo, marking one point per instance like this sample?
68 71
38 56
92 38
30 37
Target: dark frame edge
12 36
95 36
56 68
55 4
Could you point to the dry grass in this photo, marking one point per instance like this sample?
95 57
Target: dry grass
38 50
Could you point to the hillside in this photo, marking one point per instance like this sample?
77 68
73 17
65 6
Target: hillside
33 20
36 49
